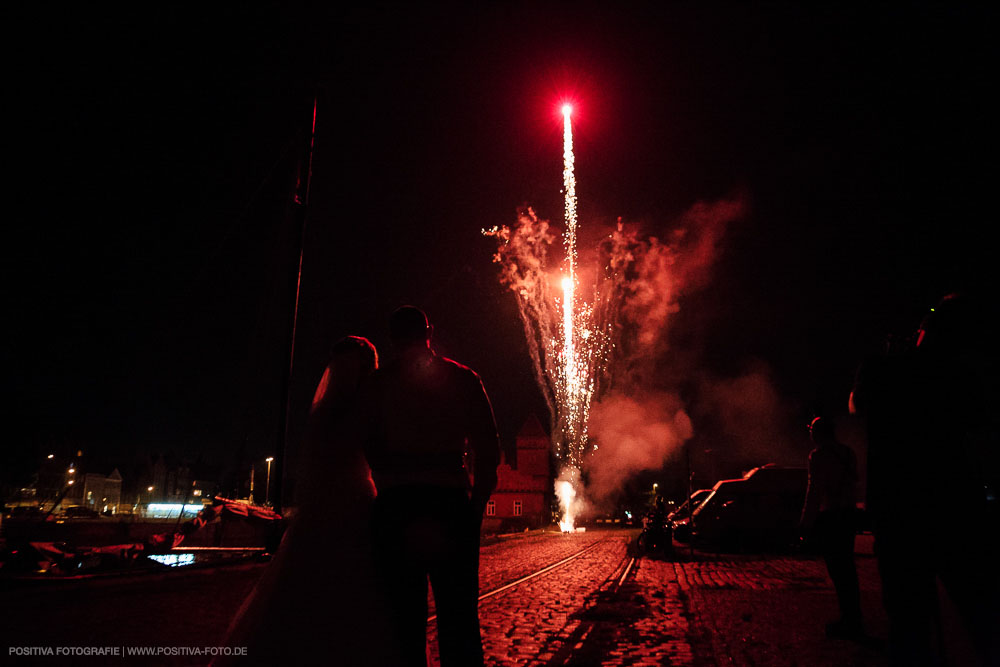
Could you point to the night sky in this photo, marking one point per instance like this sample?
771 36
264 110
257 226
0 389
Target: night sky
155 152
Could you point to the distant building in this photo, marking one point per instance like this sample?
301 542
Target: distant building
101 493
520 499
201 489
172 480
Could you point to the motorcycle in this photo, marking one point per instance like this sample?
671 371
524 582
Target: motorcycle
656 538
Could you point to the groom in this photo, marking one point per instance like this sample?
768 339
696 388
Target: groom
425 416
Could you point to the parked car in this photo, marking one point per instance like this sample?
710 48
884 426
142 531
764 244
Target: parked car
761 509
25 512
682 510
80 512
679 519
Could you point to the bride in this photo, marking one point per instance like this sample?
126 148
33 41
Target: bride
318 599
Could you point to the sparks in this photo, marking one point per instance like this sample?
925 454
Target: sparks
566 495
575 387
574 394
569 190
569 339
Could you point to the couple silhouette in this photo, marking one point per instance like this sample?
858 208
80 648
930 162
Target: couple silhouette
398 465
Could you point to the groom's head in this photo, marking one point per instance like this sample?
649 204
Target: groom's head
408 327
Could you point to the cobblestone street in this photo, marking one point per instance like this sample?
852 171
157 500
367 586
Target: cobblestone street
713 610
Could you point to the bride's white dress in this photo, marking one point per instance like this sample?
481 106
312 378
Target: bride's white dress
318 602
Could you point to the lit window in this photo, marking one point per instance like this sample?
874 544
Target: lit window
517 508
491 508
197 492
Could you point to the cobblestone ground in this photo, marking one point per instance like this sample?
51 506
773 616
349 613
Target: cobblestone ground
769 611
512 558
559 617
516 556
709 610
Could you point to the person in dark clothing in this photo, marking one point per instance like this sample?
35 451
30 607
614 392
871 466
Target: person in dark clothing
431 441
829 514
932 462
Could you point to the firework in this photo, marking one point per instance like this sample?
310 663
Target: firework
566 493
568 343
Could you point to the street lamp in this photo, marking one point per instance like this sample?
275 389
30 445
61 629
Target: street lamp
267 484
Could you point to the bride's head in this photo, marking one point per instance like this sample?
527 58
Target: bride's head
352 359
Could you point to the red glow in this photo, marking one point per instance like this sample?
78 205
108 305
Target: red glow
566 107
324 384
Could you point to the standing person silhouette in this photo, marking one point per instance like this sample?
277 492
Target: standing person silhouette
929 406
829 514
424 417
325 561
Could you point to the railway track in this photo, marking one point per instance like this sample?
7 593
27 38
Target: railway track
614 582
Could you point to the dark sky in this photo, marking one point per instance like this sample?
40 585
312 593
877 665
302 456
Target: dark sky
155 153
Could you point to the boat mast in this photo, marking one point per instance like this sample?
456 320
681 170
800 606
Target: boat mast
300 207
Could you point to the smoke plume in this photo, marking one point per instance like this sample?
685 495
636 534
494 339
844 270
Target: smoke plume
637 422
747 412
646 281
636 433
